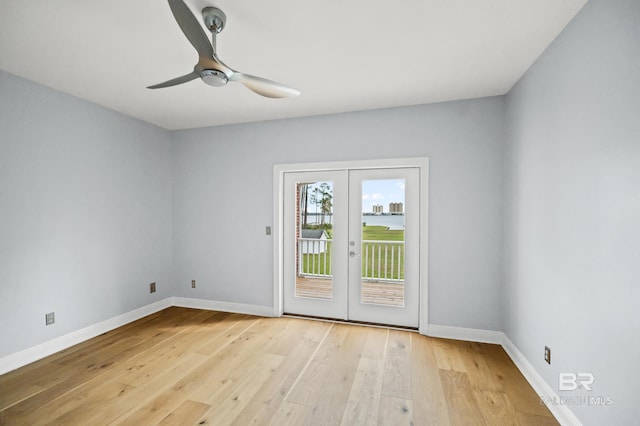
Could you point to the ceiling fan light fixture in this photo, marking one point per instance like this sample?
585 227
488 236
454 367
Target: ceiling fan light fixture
214 78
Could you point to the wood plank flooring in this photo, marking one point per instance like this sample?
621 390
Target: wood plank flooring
373 292
185 366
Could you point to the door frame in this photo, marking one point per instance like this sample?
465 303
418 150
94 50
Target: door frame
279 170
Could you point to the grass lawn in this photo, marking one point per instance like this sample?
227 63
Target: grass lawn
381 233
376 233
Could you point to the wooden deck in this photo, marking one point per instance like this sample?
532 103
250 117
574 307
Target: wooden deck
373 292
188 367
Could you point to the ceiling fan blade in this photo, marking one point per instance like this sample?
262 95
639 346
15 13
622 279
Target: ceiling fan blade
175 81
264 87
191 28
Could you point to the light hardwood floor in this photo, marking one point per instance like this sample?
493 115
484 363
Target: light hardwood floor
184 366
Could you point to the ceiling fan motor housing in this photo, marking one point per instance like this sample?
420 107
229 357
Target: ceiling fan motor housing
214 77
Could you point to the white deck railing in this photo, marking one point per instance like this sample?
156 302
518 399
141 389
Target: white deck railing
381 260
314 257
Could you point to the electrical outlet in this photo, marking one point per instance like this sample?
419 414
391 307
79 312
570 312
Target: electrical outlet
50 318
152 288
267 230
547 354
193 283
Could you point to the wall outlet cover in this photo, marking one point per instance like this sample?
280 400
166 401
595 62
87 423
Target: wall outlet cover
50 318
547 354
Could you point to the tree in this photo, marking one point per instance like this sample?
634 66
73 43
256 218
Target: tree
322 197
304 202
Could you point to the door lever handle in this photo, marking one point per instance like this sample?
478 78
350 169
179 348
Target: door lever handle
353 254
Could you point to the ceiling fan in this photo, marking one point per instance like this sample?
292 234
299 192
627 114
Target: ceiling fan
210 68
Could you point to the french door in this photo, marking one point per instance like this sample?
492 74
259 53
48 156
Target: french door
351 245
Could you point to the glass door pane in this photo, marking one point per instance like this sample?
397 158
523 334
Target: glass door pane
382 250
314 239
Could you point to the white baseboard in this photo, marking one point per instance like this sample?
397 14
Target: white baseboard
468 334
561 412
27 356
215 305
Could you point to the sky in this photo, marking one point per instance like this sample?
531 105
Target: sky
377 192
381 192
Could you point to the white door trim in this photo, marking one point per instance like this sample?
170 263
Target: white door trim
422 163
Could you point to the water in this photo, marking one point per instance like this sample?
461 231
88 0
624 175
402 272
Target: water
395 222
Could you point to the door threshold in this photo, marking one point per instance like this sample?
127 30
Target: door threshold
351 322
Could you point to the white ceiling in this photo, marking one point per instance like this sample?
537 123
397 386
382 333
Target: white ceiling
342 55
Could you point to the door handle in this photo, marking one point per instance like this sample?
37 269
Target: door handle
352 253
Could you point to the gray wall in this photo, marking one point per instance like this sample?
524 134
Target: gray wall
572 246
85 213
223 199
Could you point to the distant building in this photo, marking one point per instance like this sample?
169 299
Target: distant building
396 208
314 241
378 208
